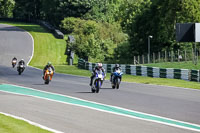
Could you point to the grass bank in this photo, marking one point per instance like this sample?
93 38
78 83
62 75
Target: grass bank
12 125
178 65
48 48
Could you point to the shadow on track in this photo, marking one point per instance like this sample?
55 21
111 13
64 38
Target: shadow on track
84 92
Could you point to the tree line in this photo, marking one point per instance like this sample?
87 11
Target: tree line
111 30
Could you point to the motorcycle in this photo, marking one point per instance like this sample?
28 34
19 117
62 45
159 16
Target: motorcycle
98 81
20 69
48 75
116 79
14 62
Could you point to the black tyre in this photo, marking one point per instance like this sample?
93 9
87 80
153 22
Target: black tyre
117 83
20 72
47 81
98 86
93 89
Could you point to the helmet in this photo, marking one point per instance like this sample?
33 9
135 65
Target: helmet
22 59
99 65
49 63
117 65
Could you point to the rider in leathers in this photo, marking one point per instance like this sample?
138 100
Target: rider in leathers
97 68
115 68
47 66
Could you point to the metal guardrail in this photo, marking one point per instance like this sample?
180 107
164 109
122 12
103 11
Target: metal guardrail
184 74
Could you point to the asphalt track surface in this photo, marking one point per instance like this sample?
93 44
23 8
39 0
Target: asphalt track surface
171 102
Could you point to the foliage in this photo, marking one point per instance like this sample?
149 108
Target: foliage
93 39
95 23
122 54
104 10
26 9
158 20
6 8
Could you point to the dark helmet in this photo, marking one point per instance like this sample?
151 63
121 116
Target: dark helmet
49 63
117 65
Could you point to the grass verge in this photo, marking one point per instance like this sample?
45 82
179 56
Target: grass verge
48 48
178 65
12 125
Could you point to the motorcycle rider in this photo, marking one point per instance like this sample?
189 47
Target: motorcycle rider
46 67
115 68
21 62
14 60
96 68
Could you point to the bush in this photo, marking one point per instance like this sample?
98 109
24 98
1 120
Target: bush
94 40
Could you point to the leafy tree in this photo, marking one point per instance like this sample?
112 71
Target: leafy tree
26 9
104 10
158 19
93 39
6 8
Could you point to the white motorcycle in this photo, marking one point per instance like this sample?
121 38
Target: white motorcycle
98 81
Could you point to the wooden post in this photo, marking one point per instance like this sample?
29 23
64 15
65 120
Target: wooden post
192 56
159 57
185 55
165 56
134 61
142 59
178 55
171 58
153 57
138 59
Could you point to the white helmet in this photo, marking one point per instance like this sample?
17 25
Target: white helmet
99 65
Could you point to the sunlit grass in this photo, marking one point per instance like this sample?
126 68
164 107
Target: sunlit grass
12 125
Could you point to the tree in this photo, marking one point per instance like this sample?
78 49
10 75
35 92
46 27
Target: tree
26 9
93 39
6 8
158 19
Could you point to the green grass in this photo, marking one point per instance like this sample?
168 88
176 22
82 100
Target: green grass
47 48
12 125
178 65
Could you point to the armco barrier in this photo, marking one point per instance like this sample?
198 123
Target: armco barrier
184 74
149 71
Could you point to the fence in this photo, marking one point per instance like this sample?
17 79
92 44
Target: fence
168 56
184 74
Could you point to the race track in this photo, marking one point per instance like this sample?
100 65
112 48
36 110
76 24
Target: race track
176 103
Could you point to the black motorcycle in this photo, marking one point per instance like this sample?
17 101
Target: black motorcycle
20 69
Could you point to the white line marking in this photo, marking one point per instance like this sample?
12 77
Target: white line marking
32 49
32 123
109 111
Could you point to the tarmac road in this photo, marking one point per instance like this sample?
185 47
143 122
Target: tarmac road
171 102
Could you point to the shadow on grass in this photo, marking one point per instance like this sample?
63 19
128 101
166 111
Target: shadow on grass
26 26
33 28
